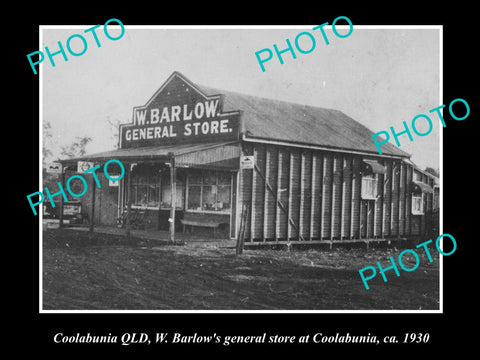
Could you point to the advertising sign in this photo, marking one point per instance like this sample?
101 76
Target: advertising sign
180 113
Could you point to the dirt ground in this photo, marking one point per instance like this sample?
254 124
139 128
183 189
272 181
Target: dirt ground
84 271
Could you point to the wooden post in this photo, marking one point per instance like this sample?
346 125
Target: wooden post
173 184
367 213
392 189
332 195
387 231
350 186
374 218
352 198
290 168
252 199
360 223
384 190
92 210
129 199
265 198
312 193
62 201
400 187
409 198
342 195
277 197
323 189
301 199
405 187
119 197
241 230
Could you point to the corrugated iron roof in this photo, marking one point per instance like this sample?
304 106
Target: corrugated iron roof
268 119
185 154
301 124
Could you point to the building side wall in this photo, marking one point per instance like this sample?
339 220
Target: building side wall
310 195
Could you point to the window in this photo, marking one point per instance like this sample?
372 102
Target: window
166 193
145 190
417 204
369 187
209 191
166 201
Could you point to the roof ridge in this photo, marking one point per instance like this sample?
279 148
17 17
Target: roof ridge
217 91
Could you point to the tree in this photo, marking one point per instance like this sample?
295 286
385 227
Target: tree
432 171
115 127
77 148
47 136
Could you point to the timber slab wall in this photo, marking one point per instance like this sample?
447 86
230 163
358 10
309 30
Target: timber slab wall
306 196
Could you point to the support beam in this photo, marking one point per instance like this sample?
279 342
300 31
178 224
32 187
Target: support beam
289 204
368 219
352 198
392 189
384 190
400 188
332 192
119 198
342 196
374 211
409 200
265 198
92 204
323 191
173 184
301 198
252 199
129 199
405 193
360 218
62 201
312 194
280 204
277 195
349 200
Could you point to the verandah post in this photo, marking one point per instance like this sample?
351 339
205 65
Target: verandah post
60 221
92 214
173 184
129 198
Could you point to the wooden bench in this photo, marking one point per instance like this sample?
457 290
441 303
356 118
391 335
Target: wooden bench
202 220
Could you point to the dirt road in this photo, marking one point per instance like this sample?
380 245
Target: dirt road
105 272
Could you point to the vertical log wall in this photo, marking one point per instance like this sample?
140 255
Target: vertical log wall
310 195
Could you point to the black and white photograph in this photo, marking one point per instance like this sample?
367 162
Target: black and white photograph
261 192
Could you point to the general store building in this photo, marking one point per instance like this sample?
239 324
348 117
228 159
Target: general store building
270 170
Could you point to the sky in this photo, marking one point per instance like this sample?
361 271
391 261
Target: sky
378 76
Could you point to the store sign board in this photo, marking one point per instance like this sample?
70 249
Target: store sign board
83 166
179 113
54 168
72 209
247 162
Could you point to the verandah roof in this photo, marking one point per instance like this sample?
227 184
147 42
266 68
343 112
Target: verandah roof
205 155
